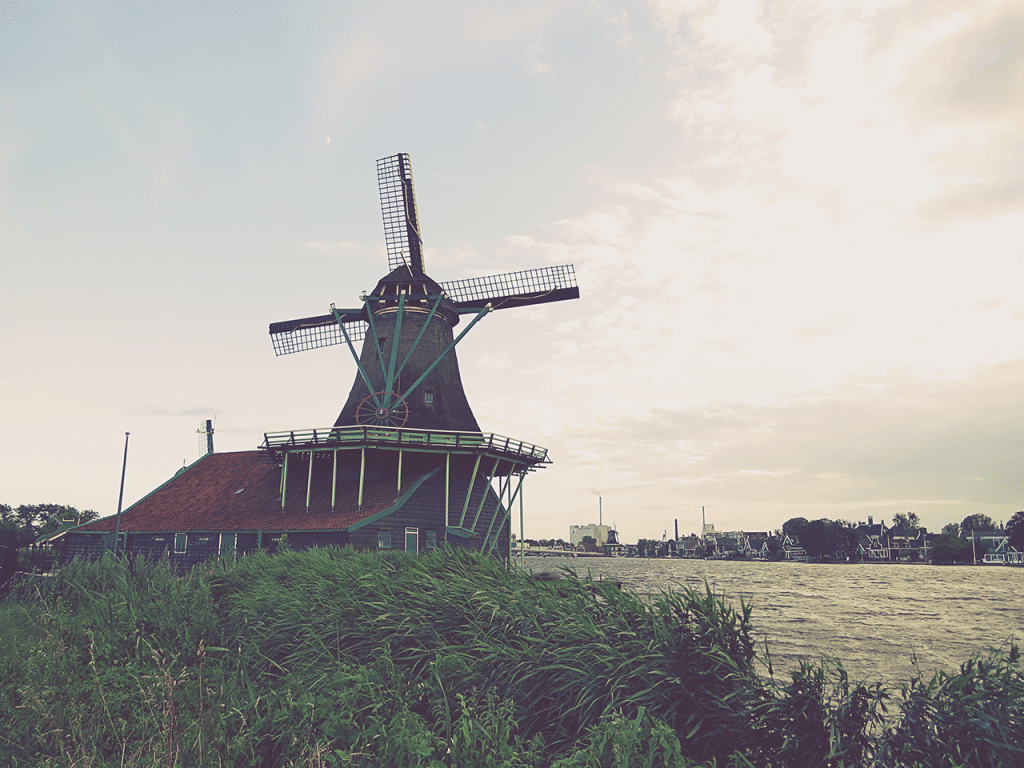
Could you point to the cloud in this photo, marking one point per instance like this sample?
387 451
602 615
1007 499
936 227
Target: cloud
534 61
966 85
930 443
324 246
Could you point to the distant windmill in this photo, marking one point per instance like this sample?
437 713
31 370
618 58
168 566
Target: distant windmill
408 395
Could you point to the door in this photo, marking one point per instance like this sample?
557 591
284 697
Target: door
412 540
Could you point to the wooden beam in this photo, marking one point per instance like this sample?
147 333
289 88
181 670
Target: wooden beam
334 480
362 474
309 479
284 480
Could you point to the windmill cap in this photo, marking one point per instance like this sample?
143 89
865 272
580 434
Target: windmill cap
414 282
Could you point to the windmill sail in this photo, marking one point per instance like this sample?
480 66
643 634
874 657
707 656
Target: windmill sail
398 204
514 289
313 332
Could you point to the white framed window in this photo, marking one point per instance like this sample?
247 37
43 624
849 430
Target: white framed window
180 542
383 539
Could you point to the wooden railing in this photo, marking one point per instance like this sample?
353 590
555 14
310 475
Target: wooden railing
333 437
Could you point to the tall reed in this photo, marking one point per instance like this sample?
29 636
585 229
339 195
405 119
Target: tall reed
339 658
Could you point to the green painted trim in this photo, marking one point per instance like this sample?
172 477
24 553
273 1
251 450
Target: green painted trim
394 507
462 533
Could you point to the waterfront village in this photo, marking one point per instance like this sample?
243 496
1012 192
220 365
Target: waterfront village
978 540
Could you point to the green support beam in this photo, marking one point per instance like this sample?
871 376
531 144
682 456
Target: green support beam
309 480
503 485
508 514
443 355
483 496
334 480
469 492
419 336
355 355
284 481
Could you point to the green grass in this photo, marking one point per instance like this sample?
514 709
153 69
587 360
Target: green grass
338 658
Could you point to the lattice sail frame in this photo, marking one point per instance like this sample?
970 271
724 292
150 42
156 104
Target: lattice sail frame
502 291
315 332
398 206
531 286
315 337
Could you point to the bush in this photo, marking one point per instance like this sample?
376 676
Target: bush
972 717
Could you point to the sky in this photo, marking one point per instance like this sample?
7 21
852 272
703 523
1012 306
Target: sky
797 229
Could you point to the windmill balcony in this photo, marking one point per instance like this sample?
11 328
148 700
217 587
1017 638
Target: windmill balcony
279 443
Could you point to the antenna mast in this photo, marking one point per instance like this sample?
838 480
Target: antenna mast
205 432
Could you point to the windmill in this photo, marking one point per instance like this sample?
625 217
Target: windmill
407 397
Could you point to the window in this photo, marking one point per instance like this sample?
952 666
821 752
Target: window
431 539
428 397
179 542
383 539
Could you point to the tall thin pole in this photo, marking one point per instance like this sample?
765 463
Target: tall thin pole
522 544
120 497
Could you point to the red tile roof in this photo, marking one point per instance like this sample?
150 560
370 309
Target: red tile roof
241 492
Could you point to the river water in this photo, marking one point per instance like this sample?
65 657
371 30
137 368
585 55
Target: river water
874 618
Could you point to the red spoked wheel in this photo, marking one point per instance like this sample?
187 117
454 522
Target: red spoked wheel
382 409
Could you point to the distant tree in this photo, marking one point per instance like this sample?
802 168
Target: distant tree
829 538
951 529
27 522
588 540
978 523
795 526
952 549
1015 530
905 524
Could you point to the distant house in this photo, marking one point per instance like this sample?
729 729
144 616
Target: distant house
873 541
756 545
791 549
1004 553
689 546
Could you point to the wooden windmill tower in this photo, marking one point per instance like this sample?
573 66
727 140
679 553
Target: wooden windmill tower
406 458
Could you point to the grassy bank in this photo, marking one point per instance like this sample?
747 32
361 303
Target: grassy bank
336 658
